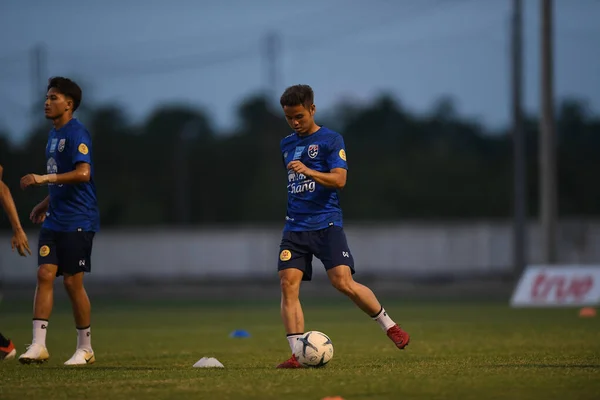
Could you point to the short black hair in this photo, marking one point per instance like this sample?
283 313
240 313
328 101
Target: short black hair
67 88
297 95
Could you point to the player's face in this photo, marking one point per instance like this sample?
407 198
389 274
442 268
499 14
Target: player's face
56 104
299 118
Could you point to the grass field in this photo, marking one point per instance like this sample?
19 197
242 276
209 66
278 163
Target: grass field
458 351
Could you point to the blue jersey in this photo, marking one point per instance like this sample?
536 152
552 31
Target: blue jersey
72 207
312 206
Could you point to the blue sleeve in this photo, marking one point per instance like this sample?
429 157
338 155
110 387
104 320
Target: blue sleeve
337 154
81 147
282 154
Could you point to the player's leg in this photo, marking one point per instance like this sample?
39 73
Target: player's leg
291 309
76 262
43 302
44 297
339 263
80 303
294 266
7 348
341 278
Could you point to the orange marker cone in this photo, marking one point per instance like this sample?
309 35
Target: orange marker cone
587 312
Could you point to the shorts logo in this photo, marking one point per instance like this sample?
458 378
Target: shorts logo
82 263
285 255
61 145
346 254
44 251
343 154
313 150
83 149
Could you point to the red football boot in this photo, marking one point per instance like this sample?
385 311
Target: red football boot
8 351
291 363
398 336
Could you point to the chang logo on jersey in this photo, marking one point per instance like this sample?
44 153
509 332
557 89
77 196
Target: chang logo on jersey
294 177
306 186
52 168
291 175
298 183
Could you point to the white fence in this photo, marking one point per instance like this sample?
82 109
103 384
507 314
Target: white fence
402 249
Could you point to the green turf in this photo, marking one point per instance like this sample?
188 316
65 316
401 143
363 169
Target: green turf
458 351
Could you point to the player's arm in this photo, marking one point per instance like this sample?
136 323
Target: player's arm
19 239
80 153
336 178
8 204
44 203
38 214
80 174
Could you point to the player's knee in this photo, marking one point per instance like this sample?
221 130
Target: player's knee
45 275
72 283
289 287
343 284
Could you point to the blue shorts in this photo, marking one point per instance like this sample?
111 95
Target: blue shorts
70 251
329 245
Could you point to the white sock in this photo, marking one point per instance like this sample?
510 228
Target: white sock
384 320
40 327
292 340
84 338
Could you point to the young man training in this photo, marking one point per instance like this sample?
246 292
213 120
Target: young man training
315 159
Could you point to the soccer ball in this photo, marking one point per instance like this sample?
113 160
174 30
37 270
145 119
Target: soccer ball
313 349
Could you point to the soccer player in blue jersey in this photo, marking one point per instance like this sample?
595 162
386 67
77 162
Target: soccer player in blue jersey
70 219
19 241
315 159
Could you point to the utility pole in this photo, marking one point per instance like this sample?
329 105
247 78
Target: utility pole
39 62
519 152
272 50
181 171
548 187
38 73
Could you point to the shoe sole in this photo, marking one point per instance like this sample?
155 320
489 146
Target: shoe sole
32 360
405 344
88 362
10 355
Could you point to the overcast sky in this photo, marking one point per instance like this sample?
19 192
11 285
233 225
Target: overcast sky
211 53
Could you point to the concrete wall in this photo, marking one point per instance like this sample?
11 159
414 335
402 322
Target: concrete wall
403 249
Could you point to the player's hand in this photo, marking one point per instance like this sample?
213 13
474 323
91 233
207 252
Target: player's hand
20 242
33 180
299 168
38 214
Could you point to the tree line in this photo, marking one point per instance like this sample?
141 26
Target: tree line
176 168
